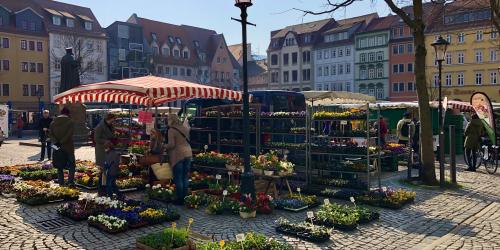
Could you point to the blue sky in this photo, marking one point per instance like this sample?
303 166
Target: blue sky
216 14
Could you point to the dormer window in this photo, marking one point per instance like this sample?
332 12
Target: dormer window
170 39
179 41
88 25
177 53
196 44
185 54
70 22
165 51
153 35
56 20
155 50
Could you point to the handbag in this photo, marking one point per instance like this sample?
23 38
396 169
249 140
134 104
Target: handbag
150 159
162 171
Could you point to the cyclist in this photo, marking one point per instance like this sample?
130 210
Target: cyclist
473 133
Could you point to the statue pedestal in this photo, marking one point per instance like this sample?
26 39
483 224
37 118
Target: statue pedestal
78 115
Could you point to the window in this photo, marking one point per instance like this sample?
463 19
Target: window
40 90
447 79
294 58
177 54
275 77
24 45
186 54
448 58
326 54
362 57
56 20
479 78
371 73
274 59
5 43
401 49
380 56
371 57
401 68
371 92
494 35
295 75
347 51
165 51
319 55
306 57
88 25
70 22
24 25
32 67
401 87
306 74
31 45
411 87
448 38
178 40
5 65
479 56
57 65
26 90
380 72
39 67
460 79
395 87
479 35
436 80
99 67
341 69
183 73
334 53
395 49
334 70
395 69
33 89
286 76
327 87
410 67
39 46
493 77
341 52
362 73
327 71
460 57
5 89
493 55
174 71
24 67
461 37
348 68
167 70
410 48
320 71
285 59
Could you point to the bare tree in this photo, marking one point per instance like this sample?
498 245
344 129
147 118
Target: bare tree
417 25
495 14
88 54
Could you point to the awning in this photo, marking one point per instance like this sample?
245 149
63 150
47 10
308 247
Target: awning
462 106
336 97
146 90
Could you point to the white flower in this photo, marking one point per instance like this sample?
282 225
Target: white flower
148 186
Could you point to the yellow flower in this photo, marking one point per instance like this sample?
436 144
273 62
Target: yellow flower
174 225
222 243
190 221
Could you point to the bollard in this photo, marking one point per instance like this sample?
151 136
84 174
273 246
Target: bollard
453 155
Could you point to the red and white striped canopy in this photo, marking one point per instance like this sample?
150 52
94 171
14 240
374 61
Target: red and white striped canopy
462 106
147 90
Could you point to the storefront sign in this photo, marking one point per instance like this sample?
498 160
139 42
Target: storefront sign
145 117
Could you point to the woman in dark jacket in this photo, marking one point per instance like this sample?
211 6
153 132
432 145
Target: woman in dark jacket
103 133
473 133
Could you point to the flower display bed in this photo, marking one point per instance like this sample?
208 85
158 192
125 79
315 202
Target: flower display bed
164 193
251 241
211 159
131 184
304 230
108 224
169 238
346 115
38 193
343 218
7 185
86 181
297 203
386 197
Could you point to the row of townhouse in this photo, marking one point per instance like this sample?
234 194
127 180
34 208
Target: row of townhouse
375 55
35 33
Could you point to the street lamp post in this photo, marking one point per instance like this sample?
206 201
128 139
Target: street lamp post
440 47
247 178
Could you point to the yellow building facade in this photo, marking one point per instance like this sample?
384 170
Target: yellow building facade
471 65
24 70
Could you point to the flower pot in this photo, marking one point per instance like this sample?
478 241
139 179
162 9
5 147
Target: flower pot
268 172
248 215
231 167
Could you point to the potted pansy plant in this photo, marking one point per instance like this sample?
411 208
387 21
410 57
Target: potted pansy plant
248 209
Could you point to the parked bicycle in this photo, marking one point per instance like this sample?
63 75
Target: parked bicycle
487 155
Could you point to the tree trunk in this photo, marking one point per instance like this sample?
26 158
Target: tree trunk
426 140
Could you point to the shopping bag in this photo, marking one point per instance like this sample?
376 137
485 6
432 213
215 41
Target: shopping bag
150 160
162 171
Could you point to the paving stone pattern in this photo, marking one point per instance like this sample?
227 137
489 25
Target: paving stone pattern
468 218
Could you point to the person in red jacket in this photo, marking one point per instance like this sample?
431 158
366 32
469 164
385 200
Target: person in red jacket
20 125
383 130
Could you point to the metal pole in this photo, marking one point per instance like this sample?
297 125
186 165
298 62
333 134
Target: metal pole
379 167
247 178
368 146
410 155
453 165
441 133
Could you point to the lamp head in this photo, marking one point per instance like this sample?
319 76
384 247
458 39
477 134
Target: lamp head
440 47
243 3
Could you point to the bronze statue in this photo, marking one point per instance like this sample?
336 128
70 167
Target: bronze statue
70 76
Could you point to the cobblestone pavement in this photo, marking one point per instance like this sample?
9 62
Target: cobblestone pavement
468 218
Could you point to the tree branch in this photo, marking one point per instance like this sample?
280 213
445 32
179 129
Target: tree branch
401 13
495 13
332 7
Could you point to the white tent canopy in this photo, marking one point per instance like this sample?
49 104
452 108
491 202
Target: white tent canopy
326 98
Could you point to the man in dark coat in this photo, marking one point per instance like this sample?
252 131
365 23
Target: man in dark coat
43 130
61 134
103 133
473 133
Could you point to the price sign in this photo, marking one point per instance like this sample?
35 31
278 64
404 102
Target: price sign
218 177
229 173
326 201
145 117
205 147
298 189
310 214
352 199
224 192
343 122
130 174
240 237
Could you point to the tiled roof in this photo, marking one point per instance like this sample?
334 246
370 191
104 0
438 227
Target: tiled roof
302 28
458 6
382 23
20 5
236 50
348 23
64 9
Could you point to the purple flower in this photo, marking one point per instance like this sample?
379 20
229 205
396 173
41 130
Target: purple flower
4 177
